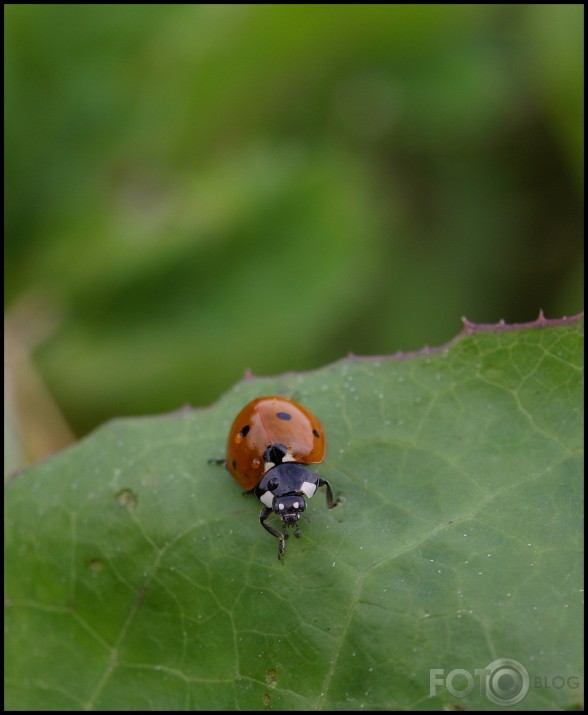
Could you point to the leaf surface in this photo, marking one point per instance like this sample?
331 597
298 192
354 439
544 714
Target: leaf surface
137 576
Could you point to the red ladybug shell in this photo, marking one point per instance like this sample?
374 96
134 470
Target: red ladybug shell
269 421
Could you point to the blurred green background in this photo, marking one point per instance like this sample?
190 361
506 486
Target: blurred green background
197 190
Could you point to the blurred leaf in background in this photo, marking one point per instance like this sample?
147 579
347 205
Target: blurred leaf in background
196 190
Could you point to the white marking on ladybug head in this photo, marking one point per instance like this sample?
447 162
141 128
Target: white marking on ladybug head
308 488
281 507
267 498
296 505
267 466
288 457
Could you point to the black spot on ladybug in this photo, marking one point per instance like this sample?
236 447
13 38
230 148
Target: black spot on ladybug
245 430
315 433
234 463
284 416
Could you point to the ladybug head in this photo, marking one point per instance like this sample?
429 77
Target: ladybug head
289 508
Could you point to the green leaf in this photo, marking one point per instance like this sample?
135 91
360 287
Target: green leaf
138 578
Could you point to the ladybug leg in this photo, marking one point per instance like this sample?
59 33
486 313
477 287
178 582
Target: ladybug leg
330 502
218 461
265 512
282 545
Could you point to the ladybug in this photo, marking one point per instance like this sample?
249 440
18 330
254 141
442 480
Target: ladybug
269 445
